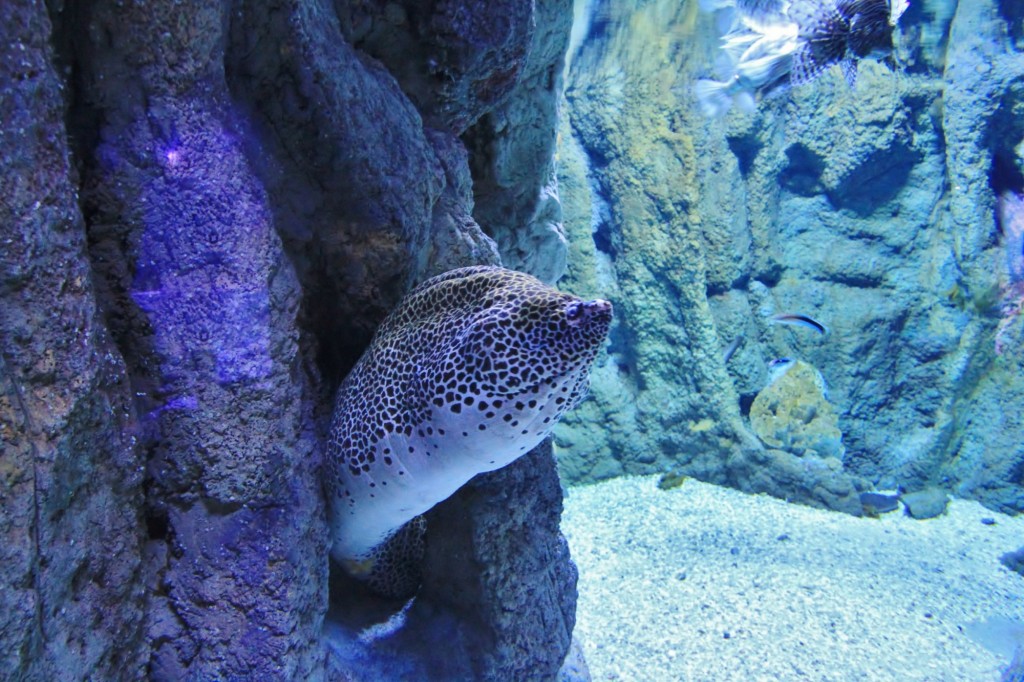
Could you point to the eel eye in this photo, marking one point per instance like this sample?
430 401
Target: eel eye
574 312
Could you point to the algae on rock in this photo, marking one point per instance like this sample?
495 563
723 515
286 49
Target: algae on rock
792 413
639 163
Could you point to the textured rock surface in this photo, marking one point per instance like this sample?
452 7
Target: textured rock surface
204 304
793 414
515 184
814 481
359 185
455 60
659 243
258 190
70 481
871 209
490 72
926 504
662 393
1014 560
526 592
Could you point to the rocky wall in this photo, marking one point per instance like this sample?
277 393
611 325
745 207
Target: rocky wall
203 303
70 479
871 209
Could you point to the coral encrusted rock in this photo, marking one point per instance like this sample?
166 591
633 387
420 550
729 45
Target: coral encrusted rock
792 413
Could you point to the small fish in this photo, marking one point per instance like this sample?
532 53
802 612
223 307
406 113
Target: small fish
875 502
800 320
778 367
730 350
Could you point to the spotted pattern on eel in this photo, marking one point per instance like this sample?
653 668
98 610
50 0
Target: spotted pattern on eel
470 371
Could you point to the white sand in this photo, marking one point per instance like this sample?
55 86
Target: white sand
664 575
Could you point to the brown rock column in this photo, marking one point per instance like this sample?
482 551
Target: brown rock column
71 602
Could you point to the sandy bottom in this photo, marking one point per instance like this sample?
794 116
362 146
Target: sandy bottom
707 583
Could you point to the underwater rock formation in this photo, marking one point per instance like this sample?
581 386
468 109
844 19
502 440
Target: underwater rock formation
70 477
925 504
793 414
204 305
256 192
661 392
507 521
490 73
656 239
1014 560
883 227
515 186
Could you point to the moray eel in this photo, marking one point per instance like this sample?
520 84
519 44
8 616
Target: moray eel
470 371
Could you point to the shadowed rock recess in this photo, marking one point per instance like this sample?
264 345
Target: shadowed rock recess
872 208
206 209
